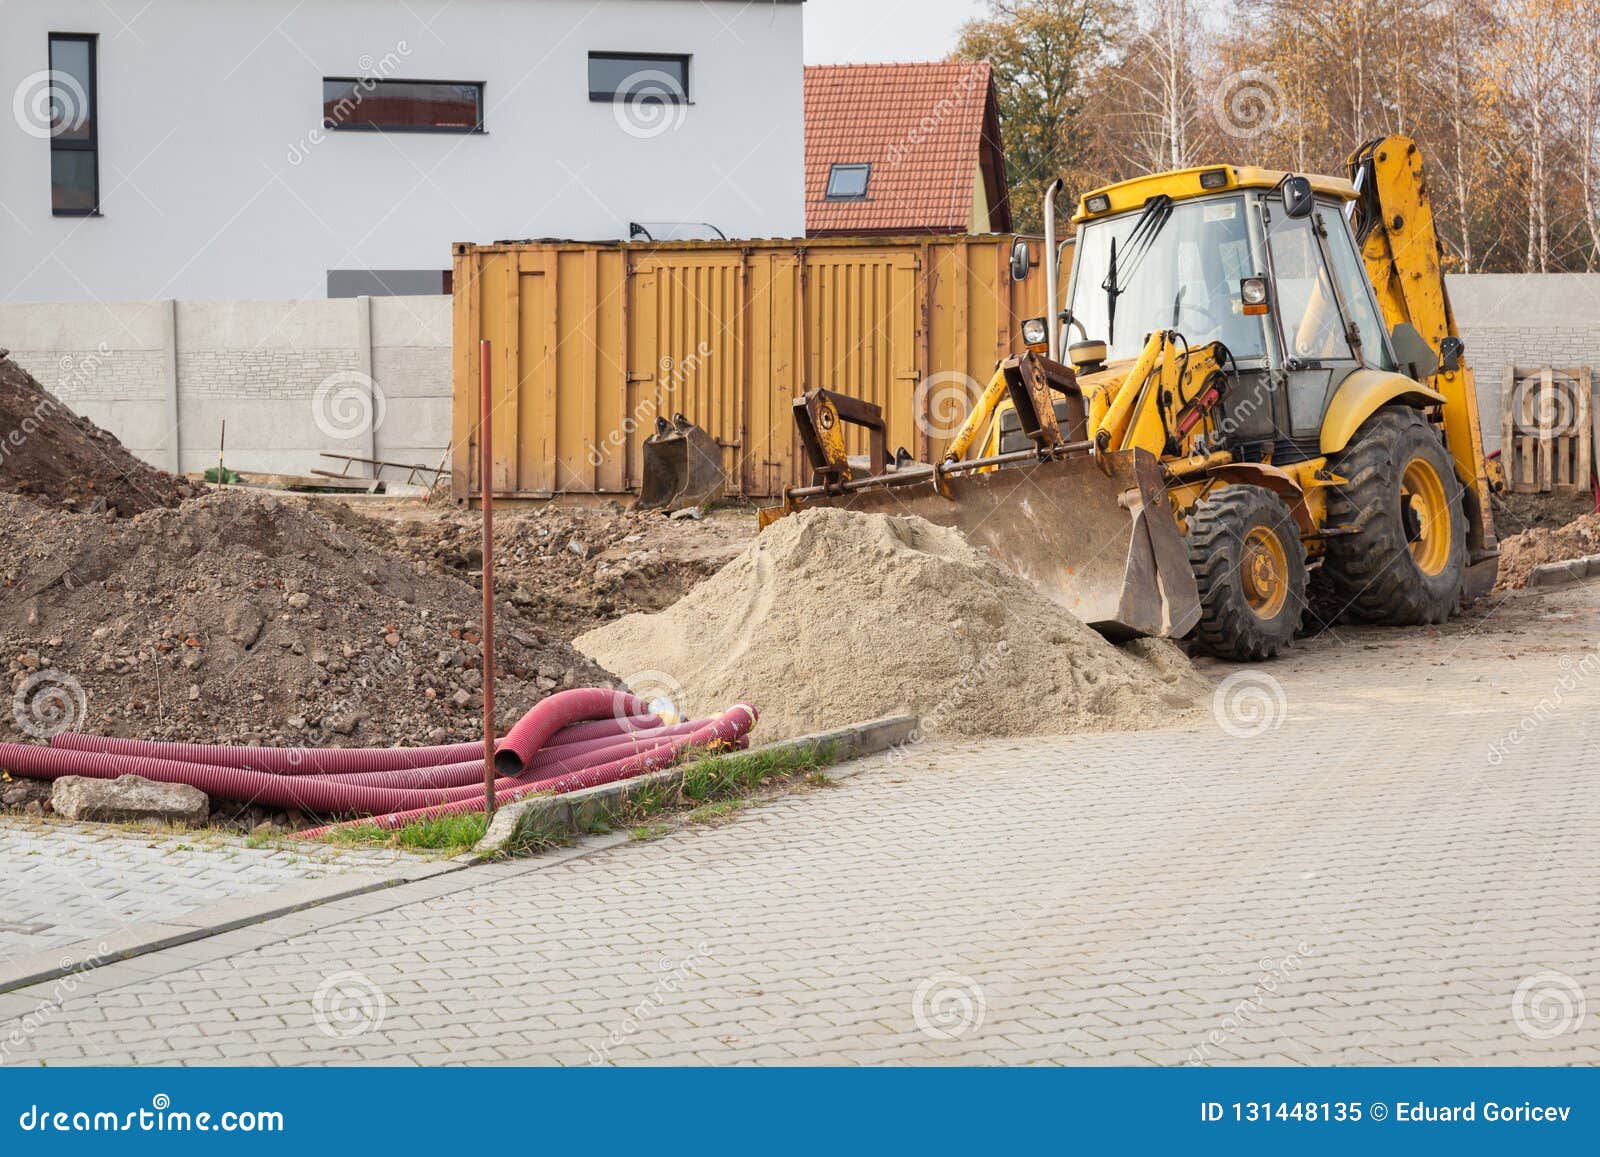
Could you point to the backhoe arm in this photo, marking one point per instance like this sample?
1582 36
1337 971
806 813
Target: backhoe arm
1394 224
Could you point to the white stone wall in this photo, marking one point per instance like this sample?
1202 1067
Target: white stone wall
368 377
1524 319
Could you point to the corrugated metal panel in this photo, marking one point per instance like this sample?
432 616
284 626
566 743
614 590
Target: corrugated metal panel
592 342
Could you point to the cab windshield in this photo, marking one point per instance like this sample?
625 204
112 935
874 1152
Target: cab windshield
1172 265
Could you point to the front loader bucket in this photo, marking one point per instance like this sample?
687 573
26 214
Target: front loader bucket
1095 534
682 467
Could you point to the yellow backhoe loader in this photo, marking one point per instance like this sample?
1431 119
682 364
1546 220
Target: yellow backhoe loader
1264 396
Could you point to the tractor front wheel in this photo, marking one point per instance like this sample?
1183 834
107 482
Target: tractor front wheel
1251 570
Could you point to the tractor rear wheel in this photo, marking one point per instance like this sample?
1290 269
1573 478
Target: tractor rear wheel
1404 560
1251 570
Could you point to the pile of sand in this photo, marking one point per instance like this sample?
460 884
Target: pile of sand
1520 553
54 456
832 617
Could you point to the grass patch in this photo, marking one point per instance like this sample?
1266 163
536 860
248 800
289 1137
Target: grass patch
453 833
710 777
715 813
712 789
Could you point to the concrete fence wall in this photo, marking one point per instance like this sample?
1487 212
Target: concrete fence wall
368 377
1524 319
371 376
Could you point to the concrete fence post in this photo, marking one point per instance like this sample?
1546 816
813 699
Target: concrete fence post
364 353
174 411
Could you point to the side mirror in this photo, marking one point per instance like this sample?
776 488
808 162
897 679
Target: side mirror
1298 200
1021 260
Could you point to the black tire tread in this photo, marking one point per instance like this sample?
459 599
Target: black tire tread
1228 628
1369 574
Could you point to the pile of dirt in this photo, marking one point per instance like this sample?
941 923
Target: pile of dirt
1520 553
570 568
831 617
238 617
54 456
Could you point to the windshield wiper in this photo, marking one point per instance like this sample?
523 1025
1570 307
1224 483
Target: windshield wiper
1157 212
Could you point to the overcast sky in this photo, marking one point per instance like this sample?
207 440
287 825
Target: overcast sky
853 31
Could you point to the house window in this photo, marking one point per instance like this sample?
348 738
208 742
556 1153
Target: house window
401 106
653 76
74 127
848 182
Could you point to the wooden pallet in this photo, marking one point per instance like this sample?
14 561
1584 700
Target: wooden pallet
1547 435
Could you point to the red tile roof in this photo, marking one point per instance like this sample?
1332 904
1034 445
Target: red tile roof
925 129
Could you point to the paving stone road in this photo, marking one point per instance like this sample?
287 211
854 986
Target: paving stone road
1395 862
73 882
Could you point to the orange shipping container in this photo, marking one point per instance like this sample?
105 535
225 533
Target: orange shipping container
591 343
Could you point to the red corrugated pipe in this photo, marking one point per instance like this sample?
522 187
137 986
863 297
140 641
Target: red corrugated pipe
729 728
341 760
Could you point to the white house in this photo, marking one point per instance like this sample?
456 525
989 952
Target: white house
284 149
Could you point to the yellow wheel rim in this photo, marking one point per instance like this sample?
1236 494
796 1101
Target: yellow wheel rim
1264 572
1426 515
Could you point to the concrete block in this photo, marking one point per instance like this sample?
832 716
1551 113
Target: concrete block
1566 572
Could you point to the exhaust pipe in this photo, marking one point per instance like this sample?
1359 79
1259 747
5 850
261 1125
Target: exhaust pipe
1053 259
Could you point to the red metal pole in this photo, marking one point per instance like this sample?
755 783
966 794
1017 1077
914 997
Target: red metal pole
486 490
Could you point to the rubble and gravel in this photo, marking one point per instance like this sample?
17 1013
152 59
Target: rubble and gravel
49 453
1521 553
239 617
570 568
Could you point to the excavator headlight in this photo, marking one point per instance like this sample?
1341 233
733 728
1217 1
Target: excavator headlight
1099 203
1214 179
1036 333
1253 295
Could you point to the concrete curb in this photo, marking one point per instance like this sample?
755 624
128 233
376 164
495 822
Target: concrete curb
1565 572
548 819
139 939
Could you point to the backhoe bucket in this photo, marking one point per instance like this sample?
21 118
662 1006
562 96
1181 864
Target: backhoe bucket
1096 534
682 467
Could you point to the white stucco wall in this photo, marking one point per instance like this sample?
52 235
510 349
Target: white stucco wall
368 377
214 184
